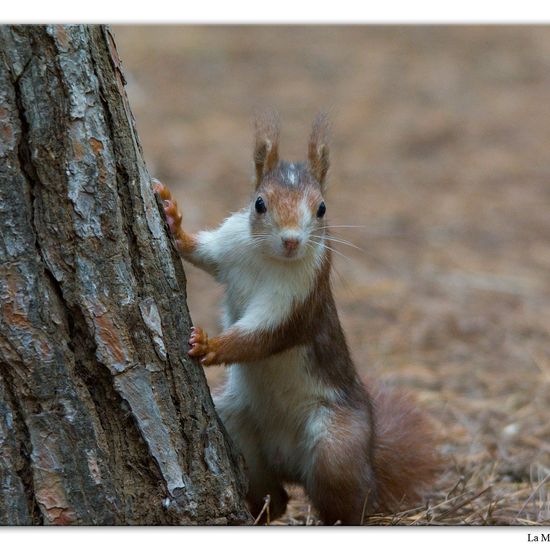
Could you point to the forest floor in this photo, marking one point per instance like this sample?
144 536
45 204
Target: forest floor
440 153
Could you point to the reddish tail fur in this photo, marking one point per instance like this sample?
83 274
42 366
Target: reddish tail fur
362 471
406 461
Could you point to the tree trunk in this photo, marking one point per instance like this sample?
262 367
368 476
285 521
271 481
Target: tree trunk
103 417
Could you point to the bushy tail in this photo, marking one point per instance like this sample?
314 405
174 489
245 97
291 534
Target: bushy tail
406 460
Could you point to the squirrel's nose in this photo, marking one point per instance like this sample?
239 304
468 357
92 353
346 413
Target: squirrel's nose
291 244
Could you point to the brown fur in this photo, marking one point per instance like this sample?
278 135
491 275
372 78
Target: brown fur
378 462
318 148
342 484
283 204
378 455
406 460
266 148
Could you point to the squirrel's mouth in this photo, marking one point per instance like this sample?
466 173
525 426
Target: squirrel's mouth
290 255
285 255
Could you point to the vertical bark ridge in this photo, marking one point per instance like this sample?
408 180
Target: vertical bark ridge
17 499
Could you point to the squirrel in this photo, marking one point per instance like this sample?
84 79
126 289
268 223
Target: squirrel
293 402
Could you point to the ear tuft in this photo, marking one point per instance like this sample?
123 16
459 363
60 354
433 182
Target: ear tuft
266 149
318 156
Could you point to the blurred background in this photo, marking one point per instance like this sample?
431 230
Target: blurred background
440 152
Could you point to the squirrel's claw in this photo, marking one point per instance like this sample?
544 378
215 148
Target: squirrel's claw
161 190
198 341
185 242
170 206
200 347
173 215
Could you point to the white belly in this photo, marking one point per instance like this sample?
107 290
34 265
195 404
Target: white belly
287 405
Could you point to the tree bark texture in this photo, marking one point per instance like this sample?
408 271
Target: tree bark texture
103 417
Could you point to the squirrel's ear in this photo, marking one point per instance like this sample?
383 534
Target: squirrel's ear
266 149
318 148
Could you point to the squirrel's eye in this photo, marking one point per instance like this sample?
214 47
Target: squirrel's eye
260 206
321 211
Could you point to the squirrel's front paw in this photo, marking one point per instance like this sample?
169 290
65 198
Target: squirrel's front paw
170 206
202 348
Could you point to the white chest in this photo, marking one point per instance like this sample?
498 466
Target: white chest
266 289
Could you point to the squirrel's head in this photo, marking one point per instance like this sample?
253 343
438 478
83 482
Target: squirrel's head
287 213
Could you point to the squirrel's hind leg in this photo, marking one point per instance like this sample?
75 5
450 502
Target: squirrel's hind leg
340 481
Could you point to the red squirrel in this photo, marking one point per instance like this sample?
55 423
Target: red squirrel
293 402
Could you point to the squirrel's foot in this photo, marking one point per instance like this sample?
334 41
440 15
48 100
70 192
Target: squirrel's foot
160 189
170 206
202 348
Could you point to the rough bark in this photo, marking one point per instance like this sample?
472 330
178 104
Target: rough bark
103 417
